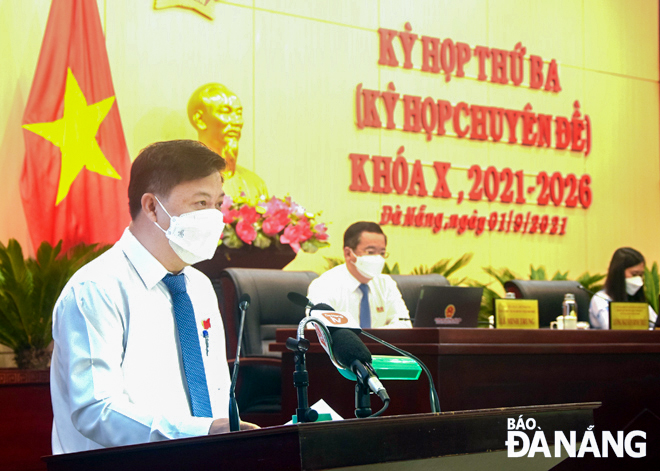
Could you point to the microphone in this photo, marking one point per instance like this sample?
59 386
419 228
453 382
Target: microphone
300 300
244 302
353 354
579 286
321 307
326 314
234 419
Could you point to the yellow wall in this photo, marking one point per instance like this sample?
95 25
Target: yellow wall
295 65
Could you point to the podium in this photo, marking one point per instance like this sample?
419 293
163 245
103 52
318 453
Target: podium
487 368
456 440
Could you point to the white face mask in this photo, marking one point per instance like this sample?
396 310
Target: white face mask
194 236
370 266
633 285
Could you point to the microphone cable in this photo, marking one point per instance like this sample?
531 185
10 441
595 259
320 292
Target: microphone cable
385 404
433 393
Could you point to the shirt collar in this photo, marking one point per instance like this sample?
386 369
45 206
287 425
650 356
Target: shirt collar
148 268
353 283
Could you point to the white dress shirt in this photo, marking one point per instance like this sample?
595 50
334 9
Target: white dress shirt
339 289
116 373
599 311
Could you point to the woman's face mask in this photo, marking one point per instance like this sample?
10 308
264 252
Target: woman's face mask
633 284
194 236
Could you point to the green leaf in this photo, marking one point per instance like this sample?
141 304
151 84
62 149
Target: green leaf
591 282
263 242
458 264
537 274
486 308
30 287
391 271
444 267
502 275
560 276
652 286
331 262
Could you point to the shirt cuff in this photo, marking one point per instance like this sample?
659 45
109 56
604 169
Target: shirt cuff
193 427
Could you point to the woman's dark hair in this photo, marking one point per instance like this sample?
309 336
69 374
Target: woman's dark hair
615 283
355 230
163 165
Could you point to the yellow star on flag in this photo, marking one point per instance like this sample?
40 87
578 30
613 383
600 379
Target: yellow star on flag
75 135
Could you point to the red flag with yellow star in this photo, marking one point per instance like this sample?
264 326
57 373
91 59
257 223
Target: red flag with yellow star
74 182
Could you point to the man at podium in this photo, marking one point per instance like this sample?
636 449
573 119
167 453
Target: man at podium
139 350
358 286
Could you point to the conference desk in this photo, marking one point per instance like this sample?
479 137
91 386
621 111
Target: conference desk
489 368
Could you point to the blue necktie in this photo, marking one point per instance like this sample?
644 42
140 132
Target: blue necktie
365 312
193 365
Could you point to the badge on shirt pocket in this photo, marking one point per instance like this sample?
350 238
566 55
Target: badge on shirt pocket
206 325
380 309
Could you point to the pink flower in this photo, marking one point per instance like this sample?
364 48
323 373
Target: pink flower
228 214
248 214
276 222
321 231
295 234
283 219
246 231
276 205
291 236
226 203
306 229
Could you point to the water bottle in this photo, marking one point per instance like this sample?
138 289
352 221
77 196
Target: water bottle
569 306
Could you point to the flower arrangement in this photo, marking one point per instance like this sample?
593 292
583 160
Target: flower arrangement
277 220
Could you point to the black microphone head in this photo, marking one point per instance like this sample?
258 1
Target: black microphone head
245 298
298 299
348 347
323 307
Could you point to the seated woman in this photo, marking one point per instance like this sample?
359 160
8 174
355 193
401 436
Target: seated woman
624 283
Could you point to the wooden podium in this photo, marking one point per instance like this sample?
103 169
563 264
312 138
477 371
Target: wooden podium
487 368
465 440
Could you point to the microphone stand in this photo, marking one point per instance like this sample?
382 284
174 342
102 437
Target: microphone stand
301 379
362 400
234 418
299 347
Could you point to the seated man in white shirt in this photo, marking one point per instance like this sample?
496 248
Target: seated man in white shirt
358 286
139 342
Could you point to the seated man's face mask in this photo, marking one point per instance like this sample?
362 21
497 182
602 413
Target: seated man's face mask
369 266
194 236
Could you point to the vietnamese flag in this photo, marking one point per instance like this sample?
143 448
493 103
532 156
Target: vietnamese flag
74 182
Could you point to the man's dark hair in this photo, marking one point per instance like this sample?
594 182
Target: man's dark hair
615 283
355 230
163 165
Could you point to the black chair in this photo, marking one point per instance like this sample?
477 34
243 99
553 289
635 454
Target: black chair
259 387
550 295
411 285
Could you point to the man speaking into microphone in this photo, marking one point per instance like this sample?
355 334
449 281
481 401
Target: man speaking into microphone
139 350
358 286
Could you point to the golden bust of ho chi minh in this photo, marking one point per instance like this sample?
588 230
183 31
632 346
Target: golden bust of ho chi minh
217 115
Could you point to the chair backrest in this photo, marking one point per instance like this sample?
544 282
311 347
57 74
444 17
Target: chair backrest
411 285
269 309
550 295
